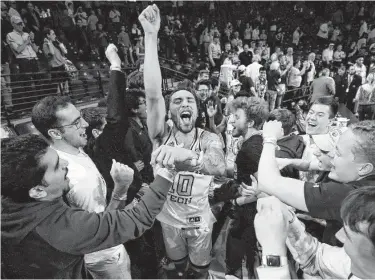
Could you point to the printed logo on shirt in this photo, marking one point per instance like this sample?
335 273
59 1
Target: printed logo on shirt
193 220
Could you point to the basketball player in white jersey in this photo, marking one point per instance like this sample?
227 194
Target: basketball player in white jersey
186 218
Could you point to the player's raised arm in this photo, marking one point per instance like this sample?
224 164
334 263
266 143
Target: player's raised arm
150 20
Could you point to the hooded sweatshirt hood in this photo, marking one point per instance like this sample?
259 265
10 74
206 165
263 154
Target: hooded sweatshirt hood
19 219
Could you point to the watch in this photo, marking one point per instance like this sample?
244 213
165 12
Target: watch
274 261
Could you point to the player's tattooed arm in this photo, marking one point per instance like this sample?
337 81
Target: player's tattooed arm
213 159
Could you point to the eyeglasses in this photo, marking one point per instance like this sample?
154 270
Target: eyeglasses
77 123
204 90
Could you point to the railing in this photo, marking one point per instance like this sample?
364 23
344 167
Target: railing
86 86
297 94
23 90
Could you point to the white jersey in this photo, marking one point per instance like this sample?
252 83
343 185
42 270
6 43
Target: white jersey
187 204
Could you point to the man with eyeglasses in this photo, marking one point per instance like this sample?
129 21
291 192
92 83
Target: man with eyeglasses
61 123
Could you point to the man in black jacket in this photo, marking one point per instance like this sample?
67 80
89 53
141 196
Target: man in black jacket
246 56
354 82
341 81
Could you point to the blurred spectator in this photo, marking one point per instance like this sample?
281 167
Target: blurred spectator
252 70
55 53
327 56
363 28
66 23
69 6
341 83
81 15
360 68
322 36
135 33
296 36
310 68
101 40
13 9
114 16
92 21
23 46
139 48
101 17
322 86
274 79
364 101
338 17
289 57
354 82
336 34
246 82
6 27
294 78
338 56
260 86
82 40
123 37
246 56
214 52
32 21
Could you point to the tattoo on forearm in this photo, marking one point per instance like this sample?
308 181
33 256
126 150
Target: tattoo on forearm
214 155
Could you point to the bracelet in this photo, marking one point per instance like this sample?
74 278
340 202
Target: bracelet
167 174
272 141
293 215
117 197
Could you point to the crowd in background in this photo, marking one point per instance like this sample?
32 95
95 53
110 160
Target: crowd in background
70 35
272 129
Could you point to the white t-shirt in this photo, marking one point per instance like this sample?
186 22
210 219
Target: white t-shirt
88 191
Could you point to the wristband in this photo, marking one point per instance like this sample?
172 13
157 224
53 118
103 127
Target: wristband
119 197
167 174
115 67
272 141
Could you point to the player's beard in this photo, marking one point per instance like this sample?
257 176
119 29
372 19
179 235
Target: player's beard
183 125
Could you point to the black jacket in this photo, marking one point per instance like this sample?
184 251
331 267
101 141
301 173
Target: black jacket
111 143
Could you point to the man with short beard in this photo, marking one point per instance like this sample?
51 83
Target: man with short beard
249 116
186 218
354 82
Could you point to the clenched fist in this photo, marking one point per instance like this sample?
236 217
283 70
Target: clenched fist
171 157
150 19
112 56
121 174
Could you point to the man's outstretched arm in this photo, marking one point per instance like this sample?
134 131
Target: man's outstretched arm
150 20
288 190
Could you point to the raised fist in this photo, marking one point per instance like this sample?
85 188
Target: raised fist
121 174
150 19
